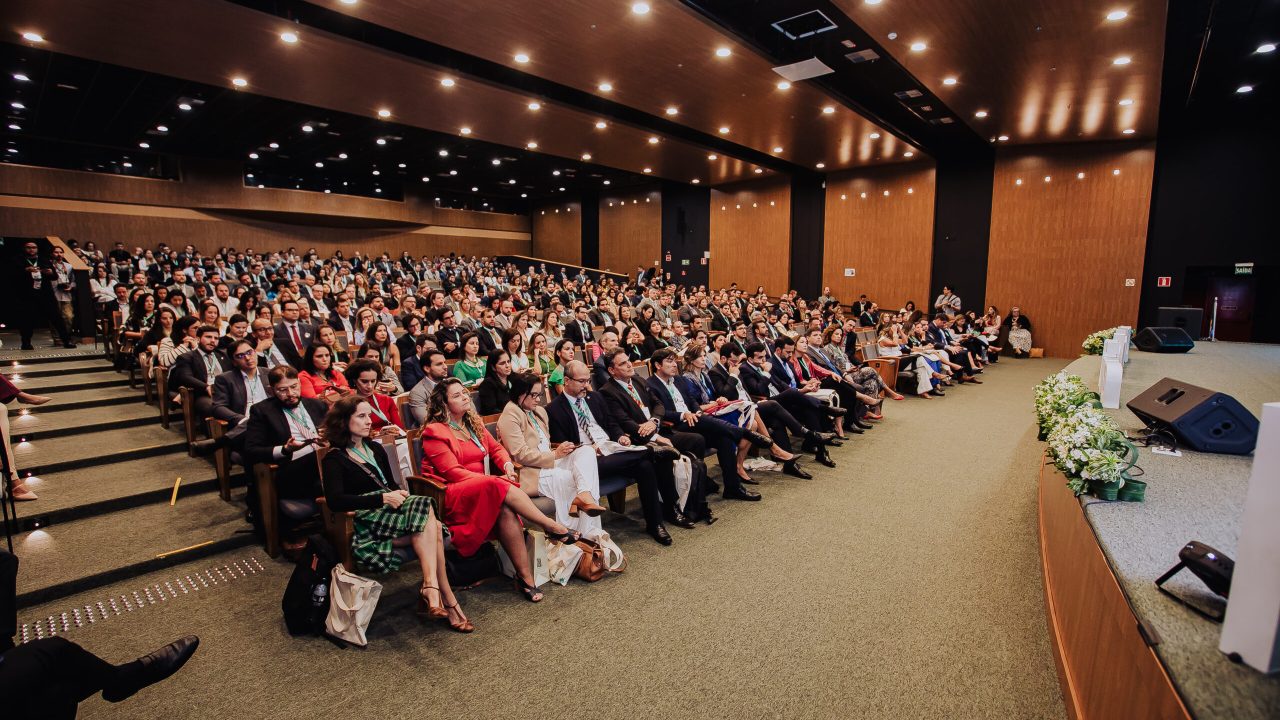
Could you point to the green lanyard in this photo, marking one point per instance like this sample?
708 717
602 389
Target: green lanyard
371 461
469 432
373 405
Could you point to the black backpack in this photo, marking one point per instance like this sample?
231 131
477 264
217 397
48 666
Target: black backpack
306 597
466 572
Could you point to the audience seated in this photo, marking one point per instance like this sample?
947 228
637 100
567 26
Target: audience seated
494 390
319 378
363 378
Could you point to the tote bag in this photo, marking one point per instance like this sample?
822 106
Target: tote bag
352 600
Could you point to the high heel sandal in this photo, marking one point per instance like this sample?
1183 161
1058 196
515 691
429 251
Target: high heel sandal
528 591
435 612
590 509
568 537
463 627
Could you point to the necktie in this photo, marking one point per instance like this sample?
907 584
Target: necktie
210 368
584 425
634 396
297 340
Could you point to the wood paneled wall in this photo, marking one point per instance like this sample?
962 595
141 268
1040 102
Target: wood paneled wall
886 239
1064 249
630 230
557 233
751 235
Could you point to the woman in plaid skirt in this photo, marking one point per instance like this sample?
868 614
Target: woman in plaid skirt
357 477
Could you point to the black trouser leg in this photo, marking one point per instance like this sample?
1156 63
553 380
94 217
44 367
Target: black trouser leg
8 596
780 423
47 678
720 435
640 467
803 407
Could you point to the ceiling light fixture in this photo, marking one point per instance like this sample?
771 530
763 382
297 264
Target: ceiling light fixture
1126 102
723 52
23 78
713 156
724 129
759 170
524 195
453 172
162 128
32 37
908 154
586 156
307 128
653 139
648 170
695 181
777 149
1003 138
829 110
874 136
475 189
465 131
784 85
239 82
274 146
143 145
1080 176
1122 60
381 141
15 126
640 8
1116 171
522 58
342 156
600 125
606 182
918 46
980 114
289 37
949 81
605 87
1128 131
17 106
252 156
512 181
402 165
820 165
1264 48
1243 89
531 145
184 106
319 164
448 82
535 106
377 172
555 173
1117 15
1047 178
496 162
673 110
384 113
872 2
444 153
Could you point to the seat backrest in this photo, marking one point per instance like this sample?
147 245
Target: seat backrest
642 369
870 351
414 437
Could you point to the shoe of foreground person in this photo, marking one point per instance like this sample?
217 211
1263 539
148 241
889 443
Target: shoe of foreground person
151 669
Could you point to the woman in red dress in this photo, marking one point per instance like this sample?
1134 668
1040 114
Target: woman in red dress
363 376
482 497
318 378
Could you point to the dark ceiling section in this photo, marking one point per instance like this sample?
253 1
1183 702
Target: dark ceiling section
389 39
72 113
872 83
1216 48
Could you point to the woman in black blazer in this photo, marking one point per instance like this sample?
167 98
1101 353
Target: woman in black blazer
357 478
495 390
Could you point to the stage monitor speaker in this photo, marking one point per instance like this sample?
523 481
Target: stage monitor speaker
1163 340
1200 419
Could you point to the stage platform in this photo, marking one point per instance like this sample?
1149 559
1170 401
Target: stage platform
1193 497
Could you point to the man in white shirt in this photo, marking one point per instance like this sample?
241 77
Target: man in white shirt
227 305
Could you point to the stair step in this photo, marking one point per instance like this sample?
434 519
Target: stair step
82 399
70 489
60 559
56 369
71 382
95 449
36 427
42 355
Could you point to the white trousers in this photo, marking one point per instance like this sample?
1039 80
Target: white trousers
573 474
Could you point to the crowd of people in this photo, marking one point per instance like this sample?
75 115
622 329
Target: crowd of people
523 383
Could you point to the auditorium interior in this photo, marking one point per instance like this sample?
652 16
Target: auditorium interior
794 358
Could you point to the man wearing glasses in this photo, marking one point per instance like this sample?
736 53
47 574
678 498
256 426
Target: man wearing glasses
234 392
34 277
579 416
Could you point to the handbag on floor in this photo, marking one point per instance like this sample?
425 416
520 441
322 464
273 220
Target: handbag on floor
306 598
614 560
352 600
592 566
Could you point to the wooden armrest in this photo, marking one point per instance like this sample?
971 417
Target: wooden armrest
340 527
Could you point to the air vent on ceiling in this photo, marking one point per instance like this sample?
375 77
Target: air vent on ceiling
862 56
803 70
908 94
804 25
941 121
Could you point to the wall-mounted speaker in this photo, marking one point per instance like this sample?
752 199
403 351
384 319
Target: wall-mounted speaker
1201 419
1163 340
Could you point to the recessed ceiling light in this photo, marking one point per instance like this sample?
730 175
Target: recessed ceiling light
426 179
864 196
820 165
307 128
319 164
512 181
1126 102
162 128
640 8
1122 60
723 52
384 113
349 2
531 145
23 78
1116 15
908 154
1128 131
980 114
289 37
274 146
606 182
447 82
648 170
453 172
1264 48
911 191
342 156
252 156
784 85
1080 176
261 187
381 141
918 46
1003 138
673 110
1017 181
377 172
653 139
444 153
949 81
327 191
32 37
556 173
522 58
144 145
886 193
239 82
777 148
586 156
15 126
475 189
535 106
713 156
724 129
1116 171
1047 178
17 106
402 165
1244 89
829 110
695 181
524 195
872 2
600 125
874 136
465 130
184 106
759 170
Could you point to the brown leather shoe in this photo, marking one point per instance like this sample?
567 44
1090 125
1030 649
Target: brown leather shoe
435 612
591 509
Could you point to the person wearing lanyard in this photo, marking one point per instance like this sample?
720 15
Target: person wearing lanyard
479 503
357 477
565 472
363 376
283 430
235 392
197 369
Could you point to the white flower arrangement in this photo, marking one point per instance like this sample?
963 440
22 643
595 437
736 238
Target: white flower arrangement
1093 344
1083 441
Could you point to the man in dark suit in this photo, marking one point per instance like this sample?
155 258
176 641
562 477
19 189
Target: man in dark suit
761 382
284 429
449 337
602 317
580 416
600 368
34 278
234 393
197 369
682 411
292 336
341 319
639 415
579 329
489 333
937 336
719 321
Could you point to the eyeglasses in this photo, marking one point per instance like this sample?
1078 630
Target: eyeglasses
577 380
246 354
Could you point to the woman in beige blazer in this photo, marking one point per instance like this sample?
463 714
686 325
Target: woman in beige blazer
565 473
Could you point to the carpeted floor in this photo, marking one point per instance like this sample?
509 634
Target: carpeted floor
904 584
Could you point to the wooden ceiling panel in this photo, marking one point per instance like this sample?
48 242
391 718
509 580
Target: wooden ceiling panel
1043 71
663 59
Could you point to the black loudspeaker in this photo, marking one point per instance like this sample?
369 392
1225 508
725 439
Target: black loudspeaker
1200 419
1163 340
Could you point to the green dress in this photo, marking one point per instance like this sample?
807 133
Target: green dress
469 374
557 376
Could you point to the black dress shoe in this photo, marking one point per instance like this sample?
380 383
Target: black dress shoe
679 519
69 345
854 429
819 437
748 480
150 669
708 517
663 452
824 458
835 412
208 447
659 533
741 494
28 347
792 468
835 442
712 486
760 441
862 425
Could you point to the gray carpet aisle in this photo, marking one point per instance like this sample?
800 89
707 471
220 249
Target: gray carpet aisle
905 583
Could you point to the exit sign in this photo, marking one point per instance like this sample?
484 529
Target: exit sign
1164 281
